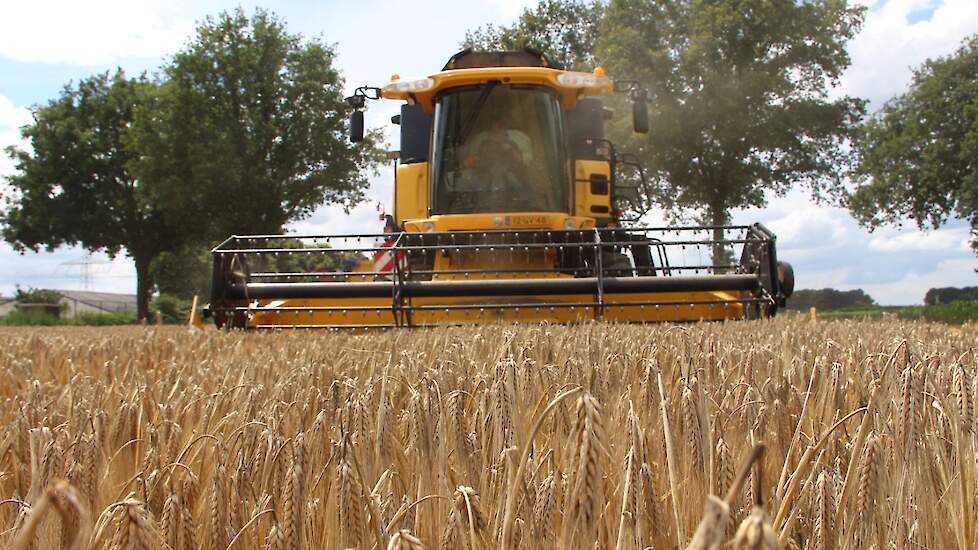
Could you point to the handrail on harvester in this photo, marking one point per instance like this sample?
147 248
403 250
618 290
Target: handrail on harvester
495 287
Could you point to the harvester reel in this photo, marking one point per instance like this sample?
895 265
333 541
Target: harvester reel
635 274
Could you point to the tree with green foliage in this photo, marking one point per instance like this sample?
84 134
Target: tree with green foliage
949 294
828 299
39 301
248 132
565 30
184 273
242 133
172 309
918 153
738 90
739 95
36 296
75 186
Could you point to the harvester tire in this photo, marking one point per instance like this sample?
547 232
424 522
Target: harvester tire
616 264
786 279
642 254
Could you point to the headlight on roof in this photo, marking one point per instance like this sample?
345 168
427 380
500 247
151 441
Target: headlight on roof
583 80
410 86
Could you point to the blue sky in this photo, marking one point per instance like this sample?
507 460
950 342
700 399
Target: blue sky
44 44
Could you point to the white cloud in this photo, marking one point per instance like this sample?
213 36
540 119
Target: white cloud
12 117
828 248
891 43
509 9
804 225
91 33
911 288
890 240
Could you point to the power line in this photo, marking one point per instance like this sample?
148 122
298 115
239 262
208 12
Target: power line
84 266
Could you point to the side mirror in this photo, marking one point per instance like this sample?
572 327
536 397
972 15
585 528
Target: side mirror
640 113
356 126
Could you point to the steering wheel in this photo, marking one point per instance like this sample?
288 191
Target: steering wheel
466 201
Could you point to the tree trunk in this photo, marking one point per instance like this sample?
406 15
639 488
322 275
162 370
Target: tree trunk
718 218
144 286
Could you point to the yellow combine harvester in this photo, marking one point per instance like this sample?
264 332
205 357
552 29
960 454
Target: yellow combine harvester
507 206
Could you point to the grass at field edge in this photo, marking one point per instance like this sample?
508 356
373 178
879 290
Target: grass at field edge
955 312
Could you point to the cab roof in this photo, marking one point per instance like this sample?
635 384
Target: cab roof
470 59
468 68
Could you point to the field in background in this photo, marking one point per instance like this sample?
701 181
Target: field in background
955 312
19 318
397 439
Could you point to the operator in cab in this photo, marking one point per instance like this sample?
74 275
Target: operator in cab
496 149
501 159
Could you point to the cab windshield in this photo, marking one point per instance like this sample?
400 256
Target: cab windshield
499 148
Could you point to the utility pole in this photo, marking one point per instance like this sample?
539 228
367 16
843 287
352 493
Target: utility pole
85 270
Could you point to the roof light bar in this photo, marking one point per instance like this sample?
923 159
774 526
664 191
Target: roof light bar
409 86
583 80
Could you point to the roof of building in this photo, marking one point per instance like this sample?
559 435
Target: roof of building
108 301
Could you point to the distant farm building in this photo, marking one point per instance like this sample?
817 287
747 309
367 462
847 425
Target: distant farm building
74 302
7 305
84 301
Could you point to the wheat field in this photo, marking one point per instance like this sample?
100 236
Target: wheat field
784 433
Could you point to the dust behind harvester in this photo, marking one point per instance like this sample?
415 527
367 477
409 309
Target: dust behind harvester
508 206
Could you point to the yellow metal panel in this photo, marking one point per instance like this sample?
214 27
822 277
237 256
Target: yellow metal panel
411 192
463 310
310 312
508 75
501 220
504 262
678 306
583 198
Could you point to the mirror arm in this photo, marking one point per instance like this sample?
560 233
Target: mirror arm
625 86
356 103
360 96
633 88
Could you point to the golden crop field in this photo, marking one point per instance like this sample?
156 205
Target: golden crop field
592 436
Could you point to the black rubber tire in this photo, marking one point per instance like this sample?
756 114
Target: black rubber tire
786 278
616 264
642 254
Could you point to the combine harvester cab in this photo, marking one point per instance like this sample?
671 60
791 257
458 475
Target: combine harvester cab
507 206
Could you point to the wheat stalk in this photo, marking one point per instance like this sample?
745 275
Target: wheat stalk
583 504
274 440
135 528
404 540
